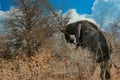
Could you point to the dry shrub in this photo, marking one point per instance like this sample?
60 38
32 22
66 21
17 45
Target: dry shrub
54 62
71 63
115 56
83 64
28 43
2 44
35 68
117 44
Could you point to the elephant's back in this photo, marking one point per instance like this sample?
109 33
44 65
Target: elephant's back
109 39
97 43
89 24
97 40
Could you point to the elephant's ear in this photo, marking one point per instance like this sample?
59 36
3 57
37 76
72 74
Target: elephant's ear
79 29
78 34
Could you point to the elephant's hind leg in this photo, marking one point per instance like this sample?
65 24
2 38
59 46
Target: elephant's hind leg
105 70
102 73
107 74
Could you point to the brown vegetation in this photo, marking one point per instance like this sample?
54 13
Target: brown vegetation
67 64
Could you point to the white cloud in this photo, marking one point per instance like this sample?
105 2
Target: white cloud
4 15
102 9
109 7
74 16
105 0
107 10
119 6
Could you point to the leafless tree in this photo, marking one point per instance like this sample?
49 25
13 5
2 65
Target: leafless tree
27 26
103 16
115 29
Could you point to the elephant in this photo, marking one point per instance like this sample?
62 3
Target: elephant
90 36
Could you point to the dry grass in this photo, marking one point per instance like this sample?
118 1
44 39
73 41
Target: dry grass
56 61
44 66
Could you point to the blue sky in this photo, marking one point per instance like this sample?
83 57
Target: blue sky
82 6
91 10
5 4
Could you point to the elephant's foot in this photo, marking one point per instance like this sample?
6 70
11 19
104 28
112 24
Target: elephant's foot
107 75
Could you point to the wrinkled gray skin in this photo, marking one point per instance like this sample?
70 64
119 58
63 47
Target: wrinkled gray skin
88 35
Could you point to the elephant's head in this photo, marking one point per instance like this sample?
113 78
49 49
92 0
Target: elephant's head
67 34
